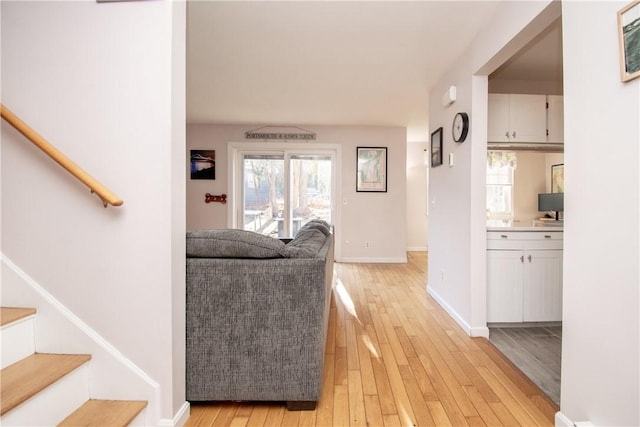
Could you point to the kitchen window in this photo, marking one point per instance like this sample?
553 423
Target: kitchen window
500 171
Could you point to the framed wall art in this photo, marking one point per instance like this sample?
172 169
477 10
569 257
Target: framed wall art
629 39
436 147
371 169
557 178
203 164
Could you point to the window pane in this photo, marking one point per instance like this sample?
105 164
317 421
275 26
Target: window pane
500 172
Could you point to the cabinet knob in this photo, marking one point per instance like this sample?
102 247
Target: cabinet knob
522 259
504 236
514 134
546 236
529 258
506 134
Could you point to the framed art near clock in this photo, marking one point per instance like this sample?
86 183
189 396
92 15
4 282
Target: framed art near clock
436 147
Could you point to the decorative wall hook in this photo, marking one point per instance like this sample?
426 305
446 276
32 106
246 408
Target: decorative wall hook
208 198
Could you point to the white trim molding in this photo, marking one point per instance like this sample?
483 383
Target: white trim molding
471 331
179 419
562 420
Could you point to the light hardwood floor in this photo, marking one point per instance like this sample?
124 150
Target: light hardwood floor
394 357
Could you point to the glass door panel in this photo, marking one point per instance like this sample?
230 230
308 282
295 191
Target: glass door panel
310 189
263 193
282 191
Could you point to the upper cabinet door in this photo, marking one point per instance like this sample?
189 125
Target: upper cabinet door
498 115
517 118
528 118
555 119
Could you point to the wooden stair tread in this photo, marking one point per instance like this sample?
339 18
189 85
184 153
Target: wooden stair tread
25 378
113 413
11 314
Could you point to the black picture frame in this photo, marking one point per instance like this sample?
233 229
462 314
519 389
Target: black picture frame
371 167
203 164
436 147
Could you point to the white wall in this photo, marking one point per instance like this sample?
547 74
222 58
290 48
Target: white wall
457 246
600 365
100 82
416 196
379 218
601 325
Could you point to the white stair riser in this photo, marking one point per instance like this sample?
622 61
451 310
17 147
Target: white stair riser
17 341
52 404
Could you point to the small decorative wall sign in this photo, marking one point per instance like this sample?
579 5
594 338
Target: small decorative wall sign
282 133
436 147
629 38
203 164
371 169
211 198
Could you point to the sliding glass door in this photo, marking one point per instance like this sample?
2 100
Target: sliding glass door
283 190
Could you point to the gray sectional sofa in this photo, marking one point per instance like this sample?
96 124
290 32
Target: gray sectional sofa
257 315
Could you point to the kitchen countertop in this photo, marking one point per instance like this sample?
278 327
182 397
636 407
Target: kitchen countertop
496 225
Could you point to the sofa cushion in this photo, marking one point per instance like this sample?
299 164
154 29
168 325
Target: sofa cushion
318 224
306 244
232 243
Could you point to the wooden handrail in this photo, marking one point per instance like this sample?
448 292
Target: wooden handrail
108 198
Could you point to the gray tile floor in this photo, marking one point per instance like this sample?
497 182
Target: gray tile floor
536 351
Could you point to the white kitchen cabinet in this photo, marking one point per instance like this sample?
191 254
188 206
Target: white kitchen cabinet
504 286
517 118
555 119
542 286
524 277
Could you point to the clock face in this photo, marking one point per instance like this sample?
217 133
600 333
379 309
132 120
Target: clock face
460 127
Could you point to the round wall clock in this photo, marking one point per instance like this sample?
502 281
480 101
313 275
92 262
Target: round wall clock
460 127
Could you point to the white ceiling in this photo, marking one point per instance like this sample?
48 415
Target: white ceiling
324 62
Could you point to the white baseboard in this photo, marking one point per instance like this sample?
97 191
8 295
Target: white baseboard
471 331
563 421
417 249
179 419
399 260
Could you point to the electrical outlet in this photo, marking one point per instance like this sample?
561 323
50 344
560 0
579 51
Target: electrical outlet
442 276
366 244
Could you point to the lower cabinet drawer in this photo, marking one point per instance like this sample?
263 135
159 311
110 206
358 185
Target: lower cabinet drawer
514 240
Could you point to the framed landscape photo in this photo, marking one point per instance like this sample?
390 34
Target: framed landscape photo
203 164
371 169
436 147
629 38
